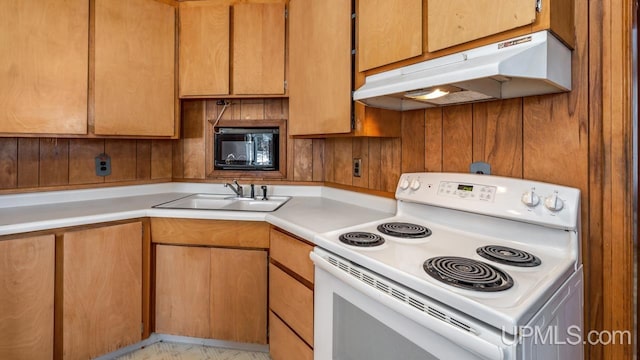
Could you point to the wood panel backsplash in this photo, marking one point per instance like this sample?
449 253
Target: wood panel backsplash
524 138
304 157
37 163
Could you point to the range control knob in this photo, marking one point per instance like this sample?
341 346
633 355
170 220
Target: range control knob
415 184
404 184
553 202
530 198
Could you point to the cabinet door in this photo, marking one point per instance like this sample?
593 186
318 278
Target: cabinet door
44 48
215 293
239 295
456 22
204 48
102 290
258 49
319 67
26 298
388 31
182 290
134 68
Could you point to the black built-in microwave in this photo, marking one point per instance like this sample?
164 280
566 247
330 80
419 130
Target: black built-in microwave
246 148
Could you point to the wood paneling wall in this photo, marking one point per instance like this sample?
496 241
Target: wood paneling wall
581 139
304 157
524 138
51 163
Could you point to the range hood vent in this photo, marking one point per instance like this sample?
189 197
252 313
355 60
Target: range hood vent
534 64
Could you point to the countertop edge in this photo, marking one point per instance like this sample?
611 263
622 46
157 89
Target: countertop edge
383 207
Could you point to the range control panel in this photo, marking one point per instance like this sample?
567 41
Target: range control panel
467 191
517 199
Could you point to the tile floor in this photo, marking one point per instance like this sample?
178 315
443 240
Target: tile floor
174 351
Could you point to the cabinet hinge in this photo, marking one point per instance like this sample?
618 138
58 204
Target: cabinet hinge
286 13
539 5
285 84
141 328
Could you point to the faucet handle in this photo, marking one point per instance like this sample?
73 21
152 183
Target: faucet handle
264 192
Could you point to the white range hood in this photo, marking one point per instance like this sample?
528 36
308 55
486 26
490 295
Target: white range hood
533 64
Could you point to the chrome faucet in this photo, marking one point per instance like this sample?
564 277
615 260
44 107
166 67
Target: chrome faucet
237 189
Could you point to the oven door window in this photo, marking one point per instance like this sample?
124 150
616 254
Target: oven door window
358 335
350 324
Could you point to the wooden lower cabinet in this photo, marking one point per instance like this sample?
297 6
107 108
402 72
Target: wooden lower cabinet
26 298
182 290
101 298
292 301
239 295
217 293
284 344
290 298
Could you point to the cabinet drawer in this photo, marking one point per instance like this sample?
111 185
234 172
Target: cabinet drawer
284 344
292 301
292 253
225 233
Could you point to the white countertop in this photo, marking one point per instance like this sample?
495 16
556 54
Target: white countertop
311 210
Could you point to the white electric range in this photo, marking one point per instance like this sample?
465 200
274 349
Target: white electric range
471 266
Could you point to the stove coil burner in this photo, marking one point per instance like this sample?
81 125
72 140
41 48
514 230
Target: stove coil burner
508 256
361 239
404 230
467 273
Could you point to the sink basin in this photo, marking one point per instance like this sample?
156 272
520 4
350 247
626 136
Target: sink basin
225 202
256 204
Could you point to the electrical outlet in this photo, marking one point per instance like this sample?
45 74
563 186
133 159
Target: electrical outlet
480 167
357 167
103 165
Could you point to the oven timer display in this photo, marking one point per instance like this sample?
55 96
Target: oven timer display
465 187
467 191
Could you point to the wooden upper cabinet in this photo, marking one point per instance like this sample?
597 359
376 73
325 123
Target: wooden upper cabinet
134 68
26 298
224 54
258 49
44 49
388 31
204 48
459 21
319 67
397 33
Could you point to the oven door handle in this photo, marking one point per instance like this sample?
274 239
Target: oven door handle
463 339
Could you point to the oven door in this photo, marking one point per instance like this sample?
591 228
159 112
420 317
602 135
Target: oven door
361 315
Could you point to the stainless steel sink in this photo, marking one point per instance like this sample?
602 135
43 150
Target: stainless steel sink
224 202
